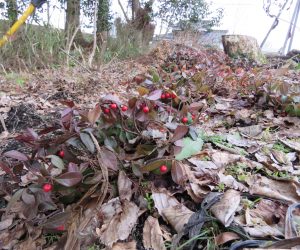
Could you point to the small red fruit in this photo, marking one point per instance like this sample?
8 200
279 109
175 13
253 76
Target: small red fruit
60 228
47 187
106 111
163 96
145 109
168 95
193 117
124 108
173 96
113 106
184 119
61 154
163 169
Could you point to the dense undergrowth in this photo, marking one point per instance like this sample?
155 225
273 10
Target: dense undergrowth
204 155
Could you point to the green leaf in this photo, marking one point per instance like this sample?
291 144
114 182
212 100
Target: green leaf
87 141
56 161
190 148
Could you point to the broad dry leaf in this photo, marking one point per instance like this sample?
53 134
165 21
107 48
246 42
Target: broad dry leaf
225 209
170 209
5 223
163 199
222 159
180 173
124 186
291 144
282 190
131 245
121 224
152 235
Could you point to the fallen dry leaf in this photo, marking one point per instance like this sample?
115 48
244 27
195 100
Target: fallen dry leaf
124 186
152 235
225 237
120 225
131 245
225 209
282 190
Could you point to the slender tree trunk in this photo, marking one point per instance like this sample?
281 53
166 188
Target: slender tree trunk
135 7
72 19
12 10
103 21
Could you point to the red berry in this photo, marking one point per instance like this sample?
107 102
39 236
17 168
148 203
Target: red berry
47 187
168 95
193 117
106 111
163 169
184 119
124 108
113 106
173 96
60 228
61 154
145 109
163 96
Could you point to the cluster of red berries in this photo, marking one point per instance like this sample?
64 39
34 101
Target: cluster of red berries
186 120
114 106
168 95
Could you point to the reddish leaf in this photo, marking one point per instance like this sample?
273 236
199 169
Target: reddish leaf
155 95
112 98
16 155
56 220
7 170
109 159
69 179
29 136
72 167
180 132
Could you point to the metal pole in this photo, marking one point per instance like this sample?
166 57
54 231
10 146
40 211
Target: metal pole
289 33
274 24
294 27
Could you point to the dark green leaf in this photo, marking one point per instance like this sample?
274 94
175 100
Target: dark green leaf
56 161
88 142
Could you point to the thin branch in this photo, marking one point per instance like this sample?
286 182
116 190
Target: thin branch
92 55
124 13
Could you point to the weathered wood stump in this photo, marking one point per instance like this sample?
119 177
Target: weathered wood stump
243 46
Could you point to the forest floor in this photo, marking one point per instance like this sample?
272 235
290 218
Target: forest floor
183 148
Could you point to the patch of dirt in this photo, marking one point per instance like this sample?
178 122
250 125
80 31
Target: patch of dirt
21 117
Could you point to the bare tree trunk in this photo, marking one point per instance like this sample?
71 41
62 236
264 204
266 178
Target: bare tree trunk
72 18
135 7
12 10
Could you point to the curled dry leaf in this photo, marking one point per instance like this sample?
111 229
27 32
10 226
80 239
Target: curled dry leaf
124 186
282 190
177 216
225 237
120 225
292 217
152 235
225 209
263 231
